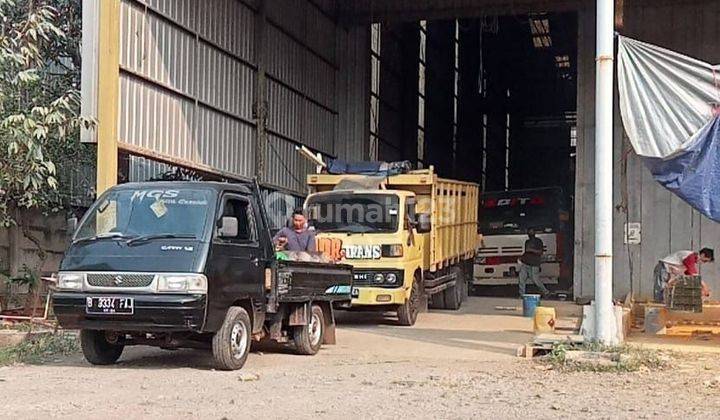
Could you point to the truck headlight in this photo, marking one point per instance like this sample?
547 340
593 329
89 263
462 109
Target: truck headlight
70 281
182 283
391 278
395 250
379 278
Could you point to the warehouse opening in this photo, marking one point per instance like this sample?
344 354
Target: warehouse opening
494 102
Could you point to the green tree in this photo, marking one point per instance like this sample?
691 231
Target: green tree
39 105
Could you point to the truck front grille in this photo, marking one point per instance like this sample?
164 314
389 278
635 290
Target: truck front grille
367 278
120 280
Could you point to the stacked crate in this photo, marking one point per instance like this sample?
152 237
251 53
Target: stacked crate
686 294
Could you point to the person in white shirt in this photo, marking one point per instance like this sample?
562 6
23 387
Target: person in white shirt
679 263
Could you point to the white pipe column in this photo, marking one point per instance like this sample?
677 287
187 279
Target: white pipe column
604 314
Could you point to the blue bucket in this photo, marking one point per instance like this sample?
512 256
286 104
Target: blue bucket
530 302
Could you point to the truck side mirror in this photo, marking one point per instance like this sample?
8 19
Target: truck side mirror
424 225
411 205
228 227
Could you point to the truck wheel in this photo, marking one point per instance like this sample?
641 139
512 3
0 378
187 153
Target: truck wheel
465 287
309 338
437 301
231 344
407 312
97 350
451 296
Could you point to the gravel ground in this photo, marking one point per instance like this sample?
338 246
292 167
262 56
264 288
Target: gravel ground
450 365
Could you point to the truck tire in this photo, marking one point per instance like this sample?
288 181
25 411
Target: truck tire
97 350
309 338
466 282
451 295
231 343
407 312
437 301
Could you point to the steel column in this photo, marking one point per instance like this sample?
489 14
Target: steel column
604 314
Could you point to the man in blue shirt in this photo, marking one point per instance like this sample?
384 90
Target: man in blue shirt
297 238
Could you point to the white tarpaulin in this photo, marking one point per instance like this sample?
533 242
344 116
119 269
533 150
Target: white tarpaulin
666 98
669 106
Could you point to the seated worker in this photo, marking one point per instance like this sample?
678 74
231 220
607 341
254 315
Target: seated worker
668 269
297 238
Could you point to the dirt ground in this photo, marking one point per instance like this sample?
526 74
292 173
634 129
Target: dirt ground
450 365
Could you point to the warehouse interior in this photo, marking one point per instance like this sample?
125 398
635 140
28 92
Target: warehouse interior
490 100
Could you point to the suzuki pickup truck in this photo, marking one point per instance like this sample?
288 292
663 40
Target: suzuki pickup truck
191 264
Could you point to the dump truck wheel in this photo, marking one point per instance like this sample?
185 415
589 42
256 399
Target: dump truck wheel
451 296
465 287
309 338
407 312
437 301
231 344
97 350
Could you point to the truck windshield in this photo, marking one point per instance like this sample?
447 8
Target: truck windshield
147 214
354 213
509 214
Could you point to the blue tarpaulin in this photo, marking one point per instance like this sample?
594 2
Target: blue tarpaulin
371 168
669 106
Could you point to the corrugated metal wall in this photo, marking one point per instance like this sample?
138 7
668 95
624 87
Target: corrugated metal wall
668 224
189 75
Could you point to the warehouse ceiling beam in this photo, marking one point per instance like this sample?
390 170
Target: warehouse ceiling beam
364 11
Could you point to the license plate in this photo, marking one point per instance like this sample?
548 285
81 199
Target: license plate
110 305
355 292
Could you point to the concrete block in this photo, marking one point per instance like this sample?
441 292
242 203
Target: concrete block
11 337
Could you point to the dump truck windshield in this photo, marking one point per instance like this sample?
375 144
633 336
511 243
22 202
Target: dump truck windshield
515 214
147 214
354 213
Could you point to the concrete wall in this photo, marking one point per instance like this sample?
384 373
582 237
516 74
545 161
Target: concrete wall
16 250
668 224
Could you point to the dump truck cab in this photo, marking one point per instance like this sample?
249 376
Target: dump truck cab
376 231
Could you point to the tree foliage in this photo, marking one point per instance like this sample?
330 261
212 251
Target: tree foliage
39 103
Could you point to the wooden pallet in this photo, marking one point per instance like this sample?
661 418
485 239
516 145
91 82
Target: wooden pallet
544 343
531 350
692 330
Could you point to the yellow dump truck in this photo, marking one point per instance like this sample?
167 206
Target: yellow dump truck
411 237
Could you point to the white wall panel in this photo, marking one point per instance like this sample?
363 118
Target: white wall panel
229 24
225 82
183 12
189 83
285 58
285 114
169 55
225 143
155 119
286 168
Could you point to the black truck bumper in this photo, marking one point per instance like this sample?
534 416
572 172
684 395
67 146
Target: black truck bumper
152 313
